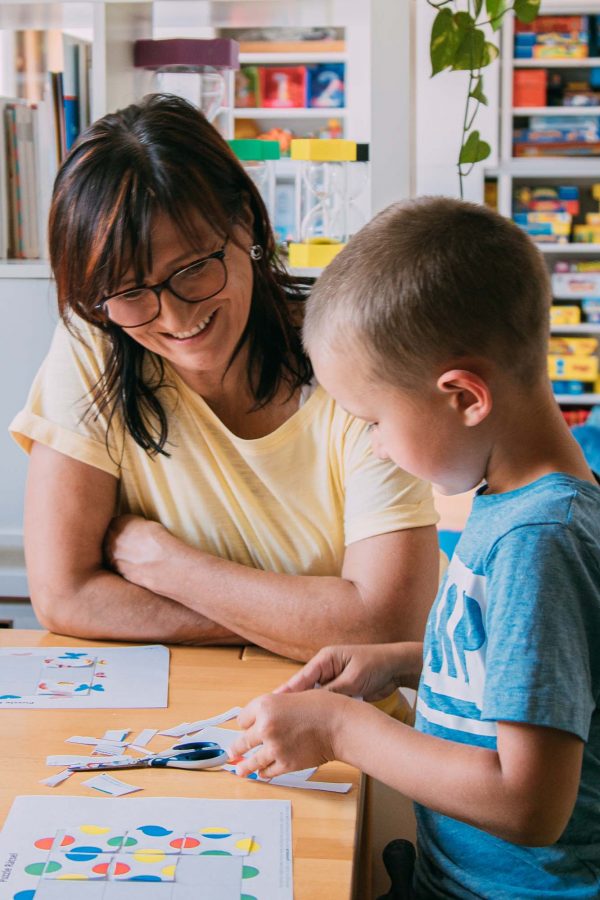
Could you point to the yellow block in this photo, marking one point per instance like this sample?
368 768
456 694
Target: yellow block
323 149
576 346
313 256
576 368
565 315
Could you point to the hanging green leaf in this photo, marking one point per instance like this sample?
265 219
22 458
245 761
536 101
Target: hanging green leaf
495 10
490 53
526 10
474 149
477 92
471 50
478 5
464 21
444 41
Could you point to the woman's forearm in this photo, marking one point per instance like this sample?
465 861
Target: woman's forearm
104 606
293 615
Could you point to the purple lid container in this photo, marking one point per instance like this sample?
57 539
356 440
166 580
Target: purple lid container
221 53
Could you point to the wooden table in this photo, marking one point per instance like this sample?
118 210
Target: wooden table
203 681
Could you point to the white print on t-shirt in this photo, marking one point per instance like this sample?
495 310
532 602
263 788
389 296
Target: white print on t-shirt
454 668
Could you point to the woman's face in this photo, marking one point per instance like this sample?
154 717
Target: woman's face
196 337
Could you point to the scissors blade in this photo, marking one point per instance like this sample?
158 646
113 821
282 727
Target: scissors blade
125 764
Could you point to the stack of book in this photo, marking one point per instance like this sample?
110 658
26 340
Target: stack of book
553 37
546 213
558 136
27 170
573 364
37 128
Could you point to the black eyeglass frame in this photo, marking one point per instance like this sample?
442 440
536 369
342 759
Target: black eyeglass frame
161 285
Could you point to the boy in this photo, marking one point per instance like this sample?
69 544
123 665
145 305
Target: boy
432 325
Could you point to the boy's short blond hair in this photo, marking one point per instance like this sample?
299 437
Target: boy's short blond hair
430 283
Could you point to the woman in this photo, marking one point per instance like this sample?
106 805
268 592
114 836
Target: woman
176 394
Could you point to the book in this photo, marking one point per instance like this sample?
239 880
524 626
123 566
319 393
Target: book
5 184
47 161
71 89
58 106
15 219
27 179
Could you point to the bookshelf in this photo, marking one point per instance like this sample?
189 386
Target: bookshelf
512 172
378 90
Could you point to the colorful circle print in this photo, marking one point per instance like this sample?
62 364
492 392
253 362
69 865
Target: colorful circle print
119 868
154 830
215 833
40 867
46 843
186 843
83 854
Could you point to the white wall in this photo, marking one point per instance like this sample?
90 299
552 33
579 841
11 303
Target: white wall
439 111
27 319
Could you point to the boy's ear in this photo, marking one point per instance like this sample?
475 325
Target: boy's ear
468 394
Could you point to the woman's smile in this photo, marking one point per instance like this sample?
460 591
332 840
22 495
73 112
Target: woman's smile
196 333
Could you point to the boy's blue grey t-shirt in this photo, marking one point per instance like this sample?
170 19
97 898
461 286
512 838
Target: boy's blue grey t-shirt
514 635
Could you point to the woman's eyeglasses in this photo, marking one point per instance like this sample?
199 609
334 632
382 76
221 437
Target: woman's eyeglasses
199 280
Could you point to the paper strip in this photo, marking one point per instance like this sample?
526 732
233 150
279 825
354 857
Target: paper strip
118 735
109 748
80 739
191 727
291 781
57 779
109 785
69 760
144 737
175 731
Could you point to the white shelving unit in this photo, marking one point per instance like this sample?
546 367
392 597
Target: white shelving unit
270 112
570 250
586 328
291 59
588 63
546 170
578 399
556 110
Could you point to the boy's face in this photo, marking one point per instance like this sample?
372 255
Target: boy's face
419 430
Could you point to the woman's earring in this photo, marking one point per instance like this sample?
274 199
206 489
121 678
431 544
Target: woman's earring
256 252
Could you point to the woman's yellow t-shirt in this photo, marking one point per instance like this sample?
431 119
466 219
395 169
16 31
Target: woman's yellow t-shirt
288 502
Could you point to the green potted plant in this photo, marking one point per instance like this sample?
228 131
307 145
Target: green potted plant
459 42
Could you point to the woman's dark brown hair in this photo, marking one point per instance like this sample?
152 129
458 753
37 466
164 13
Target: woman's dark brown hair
162 156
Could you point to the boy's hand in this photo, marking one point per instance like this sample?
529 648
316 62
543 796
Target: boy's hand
291 732
371 671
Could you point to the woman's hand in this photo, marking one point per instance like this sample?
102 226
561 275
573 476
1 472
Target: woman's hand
291 732
133 545
372 671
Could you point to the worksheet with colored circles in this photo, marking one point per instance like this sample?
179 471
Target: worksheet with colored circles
84 677
77 848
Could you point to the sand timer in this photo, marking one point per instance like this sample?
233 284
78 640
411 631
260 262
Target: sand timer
201 71
322 200
258 159
358 199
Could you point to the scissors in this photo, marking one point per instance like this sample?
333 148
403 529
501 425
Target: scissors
197 755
